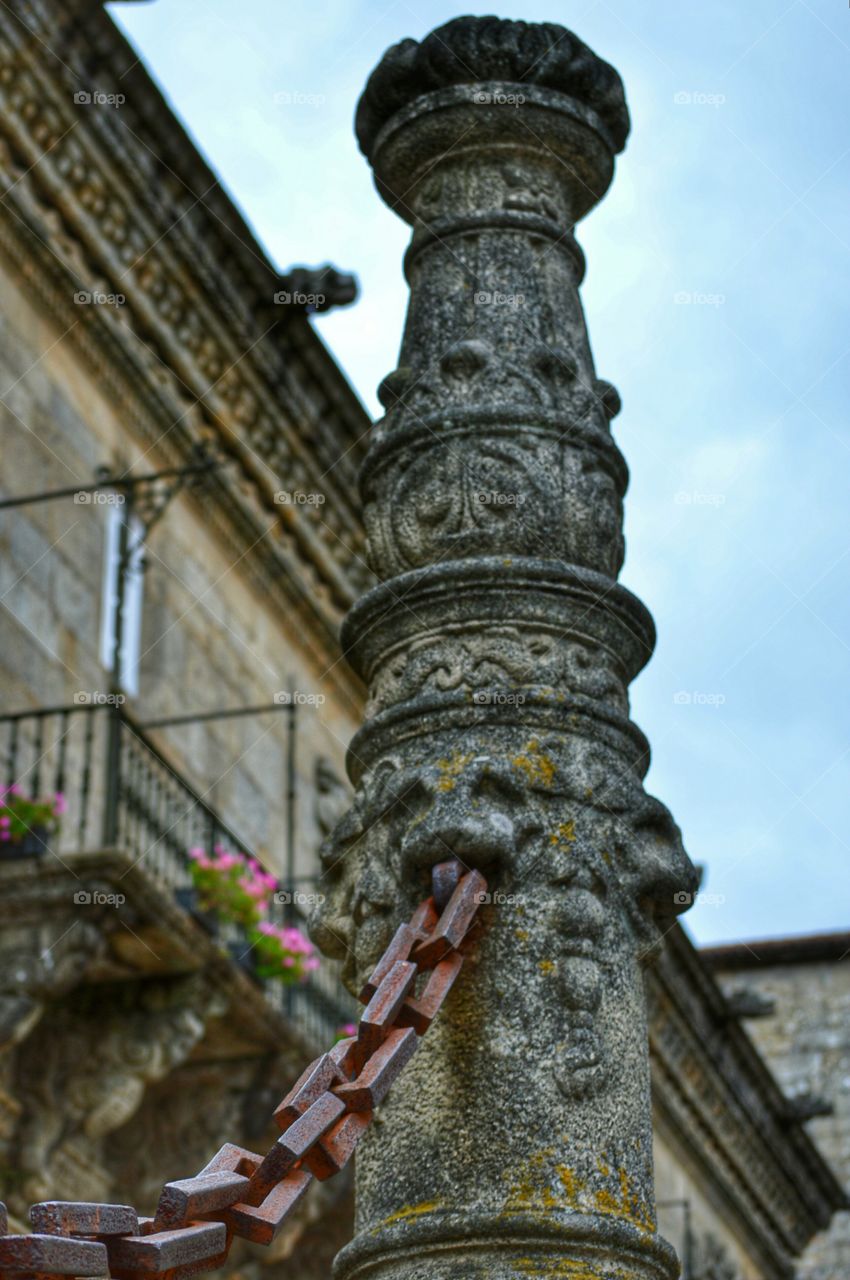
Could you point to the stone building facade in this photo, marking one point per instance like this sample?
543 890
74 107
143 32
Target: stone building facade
139 324
797 990
143 330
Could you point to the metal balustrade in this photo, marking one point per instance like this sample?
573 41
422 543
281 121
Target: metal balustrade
120 791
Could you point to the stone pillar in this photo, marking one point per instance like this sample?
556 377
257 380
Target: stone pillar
498 651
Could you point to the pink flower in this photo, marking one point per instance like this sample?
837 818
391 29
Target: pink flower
5 820
60 804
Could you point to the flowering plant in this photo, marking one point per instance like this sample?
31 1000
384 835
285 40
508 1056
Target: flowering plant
344 1032
282 952
231 885
21 815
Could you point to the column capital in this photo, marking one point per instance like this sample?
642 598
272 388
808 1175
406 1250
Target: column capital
490 84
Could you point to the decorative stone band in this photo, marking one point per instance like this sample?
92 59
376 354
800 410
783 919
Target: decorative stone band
523 1243
475 629
453 485
496 437
531 221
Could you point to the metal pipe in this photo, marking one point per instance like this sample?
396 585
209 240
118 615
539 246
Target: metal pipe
109 482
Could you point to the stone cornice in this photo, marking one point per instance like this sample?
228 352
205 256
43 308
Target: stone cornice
765 953
199 322
718 1097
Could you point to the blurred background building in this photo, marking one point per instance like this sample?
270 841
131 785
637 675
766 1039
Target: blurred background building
180 539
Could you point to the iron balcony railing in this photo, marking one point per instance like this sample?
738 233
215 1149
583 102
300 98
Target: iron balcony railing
120 791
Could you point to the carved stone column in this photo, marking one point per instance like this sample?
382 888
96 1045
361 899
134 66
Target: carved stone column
498 651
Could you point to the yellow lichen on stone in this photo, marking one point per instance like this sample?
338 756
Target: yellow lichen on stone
529 1188
412 1211
572 1184
623 1202
547 966
564 833
535 764
450 768
567 1267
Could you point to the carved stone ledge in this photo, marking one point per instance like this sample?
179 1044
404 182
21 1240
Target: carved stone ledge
747 1002
526 624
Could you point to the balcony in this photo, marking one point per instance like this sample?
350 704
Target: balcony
130 820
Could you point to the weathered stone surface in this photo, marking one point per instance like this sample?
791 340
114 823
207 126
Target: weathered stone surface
498 654
488 49
807 1044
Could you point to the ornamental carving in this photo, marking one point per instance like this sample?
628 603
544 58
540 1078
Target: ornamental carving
492 663
566 811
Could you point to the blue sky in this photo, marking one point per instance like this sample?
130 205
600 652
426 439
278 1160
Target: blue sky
716 295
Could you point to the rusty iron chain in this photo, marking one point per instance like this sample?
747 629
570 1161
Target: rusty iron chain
321 1119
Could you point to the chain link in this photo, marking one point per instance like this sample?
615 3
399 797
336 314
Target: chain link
321 1119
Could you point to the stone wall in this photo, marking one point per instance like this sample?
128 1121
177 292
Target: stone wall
806 1041
209 638
693 1219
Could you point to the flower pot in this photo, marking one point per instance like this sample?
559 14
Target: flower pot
33 844
188 900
